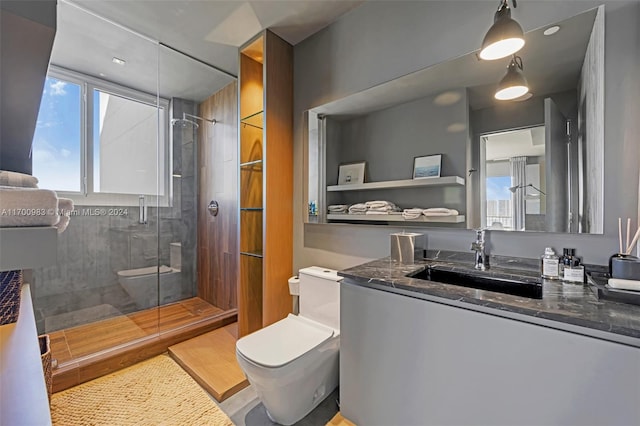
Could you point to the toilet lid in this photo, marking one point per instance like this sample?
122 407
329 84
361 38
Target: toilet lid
284 341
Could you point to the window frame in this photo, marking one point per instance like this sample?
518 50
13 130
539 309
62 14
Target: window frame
87 196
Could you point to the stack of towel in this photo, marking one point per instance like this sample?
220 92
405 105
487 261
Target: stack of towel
440 211
22 203
338 208
412 214
380 207
416 213
360 208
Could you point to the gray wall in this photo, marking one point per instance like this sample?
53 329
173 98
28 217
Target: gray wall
94 248
383 40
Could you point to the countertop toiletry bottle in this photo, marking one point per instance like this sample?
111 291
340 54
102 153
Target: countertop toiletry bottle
549 264
565 255
573 268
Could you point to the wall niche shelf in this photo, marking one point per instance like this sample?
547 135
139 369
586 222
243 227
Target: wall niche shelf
397 184
395 218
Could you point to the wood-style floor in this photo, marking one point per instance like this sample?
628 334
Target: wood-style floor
211 360
92 350
338 420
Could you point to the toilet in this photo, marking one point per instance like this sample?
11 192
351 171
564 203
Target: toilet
293 363
141 284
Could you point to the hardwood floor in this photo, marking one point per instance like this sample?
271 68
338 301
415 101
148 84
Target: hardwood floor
92 350
211 360
338 420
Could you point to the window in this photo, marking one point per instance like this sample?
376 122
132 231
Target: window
100 143
57 141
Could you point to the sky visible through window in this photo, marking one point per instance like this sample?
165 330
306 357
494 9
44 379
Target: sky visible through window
57 141
498 188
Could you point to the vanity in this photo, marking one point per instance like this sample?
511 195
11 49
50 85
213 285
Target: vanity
418 352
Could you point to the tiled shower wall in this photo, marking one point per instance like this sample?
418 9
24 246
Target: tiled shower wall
83 286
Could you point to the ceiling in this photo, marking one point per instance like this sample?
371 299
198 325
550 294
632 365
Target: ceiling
551 64
210 31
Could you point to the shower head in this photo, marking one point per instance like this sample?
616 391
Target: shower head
184 121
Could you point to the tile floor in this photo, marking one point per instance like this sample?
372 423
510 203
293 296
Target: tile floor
245 409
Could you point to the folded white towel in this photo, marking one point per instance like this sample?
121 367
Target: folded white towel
65 207
20 180
623 284
28 207
440 211
359 208
378 204
412 214
377 212
338 208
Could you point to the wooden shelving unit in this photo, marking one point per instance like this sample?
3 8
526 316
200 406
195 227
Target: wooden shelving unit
266 176
398 184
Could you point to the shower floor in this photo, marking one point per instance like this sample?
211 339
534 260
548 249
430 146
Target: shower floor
77 349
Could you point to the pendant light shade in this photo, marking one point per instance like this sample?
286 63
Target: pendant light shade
514 84
504 38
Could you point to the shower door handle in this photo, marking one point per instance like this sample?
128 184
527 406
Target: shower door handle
213 208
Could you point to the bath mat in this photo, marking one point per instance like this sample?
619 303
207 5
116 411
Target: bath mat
153 392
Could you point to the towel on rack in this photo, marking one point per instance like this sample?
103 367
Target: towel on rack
20 180
440 211
377 212
359 208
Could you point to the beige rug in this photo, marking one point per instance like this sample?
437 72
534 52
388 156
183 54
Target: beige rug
153 392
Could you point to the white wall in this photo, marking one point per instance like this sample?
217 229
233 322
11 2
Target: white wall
383 40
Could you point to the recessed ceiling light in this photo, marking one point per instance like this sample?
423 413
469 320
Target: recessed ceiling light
456 127
551 30
118 61
447 98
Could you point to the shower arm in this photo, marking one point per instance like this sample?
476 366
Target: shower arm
185 115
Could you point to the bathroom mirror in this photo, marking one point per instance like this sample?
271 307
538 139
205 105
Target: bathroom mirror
532 164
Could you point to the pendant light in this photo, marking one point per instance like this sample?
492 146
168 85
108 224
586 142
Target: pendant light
513 85
505 37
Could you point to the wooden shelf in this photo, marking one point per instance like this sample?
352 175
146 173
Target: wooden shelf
246 253
254 120
396 218
24 394
397 184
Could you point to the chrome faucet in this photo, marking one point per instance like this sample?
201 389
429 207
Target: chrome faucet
481 261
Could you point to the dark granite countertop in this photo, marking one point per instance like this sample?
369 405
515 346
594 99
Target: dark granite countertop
572 304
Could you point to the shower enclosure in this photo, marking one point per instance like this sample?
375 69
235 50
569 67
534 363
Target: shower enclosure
118 132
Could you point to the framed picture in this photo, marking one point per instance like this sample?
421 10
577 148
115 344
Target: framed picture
351 173
427 166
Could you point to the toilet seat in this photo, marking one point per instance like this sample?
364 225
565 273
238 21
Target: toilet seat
284 341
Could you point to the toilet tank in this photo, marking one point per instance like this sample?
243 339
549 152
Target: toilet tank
320 295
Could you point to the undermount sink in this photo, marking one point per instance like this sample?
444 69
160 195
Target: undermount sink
486 280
